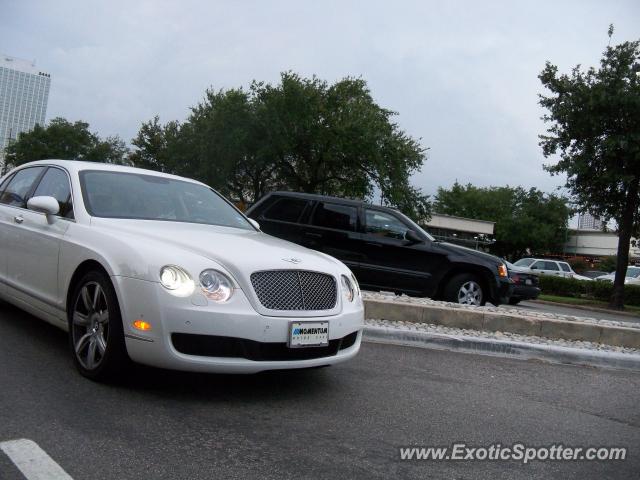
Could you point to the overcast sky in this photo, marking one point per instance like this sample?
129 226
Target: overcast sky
461 75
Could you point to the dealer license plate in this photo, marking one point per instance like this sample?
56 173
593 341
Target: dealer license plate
308 334
528 281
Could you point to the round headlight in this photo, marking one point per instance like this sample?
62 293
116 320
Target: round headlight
216 286
347 288
176 280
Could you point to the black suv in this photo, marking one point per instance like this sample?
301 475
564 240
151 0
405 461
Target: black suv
385 249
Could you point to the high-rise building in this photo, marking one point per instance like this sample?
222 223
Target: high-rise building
586 221
24 93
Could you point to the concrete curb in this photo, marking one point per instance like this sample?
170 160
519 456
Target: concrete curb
509 321
587 308
502 348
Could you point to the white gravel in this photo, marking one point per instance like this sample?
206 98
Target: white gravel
390 297
459 332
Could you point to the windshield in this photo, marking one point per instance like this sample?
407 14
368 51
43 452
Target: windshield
414 226
524 262
147 197
631 272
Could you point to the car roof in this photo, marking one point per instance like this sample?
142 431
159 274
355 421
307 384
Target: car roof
317 197
542 259
76 166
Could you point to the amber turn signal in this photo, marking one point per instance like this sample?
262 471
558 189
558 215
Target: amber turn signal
142 325
502 270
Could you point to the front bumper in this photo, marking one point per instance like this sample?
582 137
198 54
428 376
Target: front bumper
525 292
235 329
503 288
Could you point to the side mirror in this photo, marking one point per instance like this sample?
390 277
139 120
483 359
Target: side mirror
254 223
412 236
533 267
46 205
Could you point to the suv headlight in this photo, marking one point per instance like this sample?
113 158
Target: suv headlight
176 280
216 285
347 288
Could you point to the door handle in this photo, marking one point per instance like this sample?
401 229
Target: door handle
18 219
313 235
373 244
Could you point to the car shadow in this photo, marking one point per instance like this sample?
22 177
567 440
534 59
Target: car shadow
48 346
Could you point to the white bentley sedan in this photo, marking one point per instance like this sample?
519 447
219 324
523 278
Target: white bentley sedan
162 270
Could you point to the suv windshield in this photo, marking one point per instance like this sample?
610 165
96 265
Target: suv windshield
414 226
147 197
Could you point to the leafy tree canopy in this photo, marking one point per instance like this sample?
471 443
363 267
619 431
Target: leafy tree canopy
302 134
66 141
594 127
525 219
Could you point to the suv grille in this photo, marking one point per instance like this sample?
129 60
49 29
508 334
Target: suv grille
295 290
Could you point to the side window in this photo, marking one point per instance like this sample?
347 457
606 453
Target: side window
551 266
55 183
539 265
332 215
286 209
565 267
384 225
19 187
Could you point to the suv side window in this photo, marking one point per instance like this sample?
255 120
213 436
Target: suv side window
55 183
565 267
15 194
384 225
551 266
332 215
286 210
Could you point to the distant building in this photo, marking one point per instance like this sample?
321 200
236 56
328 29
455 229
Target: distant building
24 93
586 221
463 231
593 243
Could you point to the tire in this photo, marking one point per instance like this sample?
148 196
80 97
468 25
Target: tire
465 289
514 301
96 338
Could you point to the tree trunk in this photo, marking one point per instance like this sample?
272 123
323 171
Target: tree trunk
625 227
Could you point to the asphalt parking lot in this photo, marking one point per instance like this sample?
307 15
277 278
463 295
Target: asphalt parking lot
346 421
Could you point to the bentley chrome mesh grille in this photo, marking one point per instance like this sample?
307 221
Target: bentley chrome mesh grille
295 290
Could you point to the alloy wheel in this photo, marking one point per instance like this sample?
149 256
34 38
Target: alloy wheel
470 293
90 325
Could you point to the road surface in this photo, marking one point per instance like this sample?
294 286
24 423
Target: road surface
347 421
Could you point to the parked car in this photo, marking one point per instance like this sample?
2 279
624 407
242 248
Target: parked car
164 271
594 273
384 248
632 277
525 284
549 267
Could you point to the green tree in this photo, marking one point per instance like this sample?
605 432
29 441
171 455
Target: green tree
526 220
301 134
66 141
594 118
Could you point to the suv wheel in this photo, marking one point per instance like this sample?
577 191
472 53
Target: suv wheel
465 289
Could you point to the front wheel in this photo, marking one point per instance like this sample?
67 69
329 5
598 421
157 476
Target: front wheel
96 338
465 289
514 301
